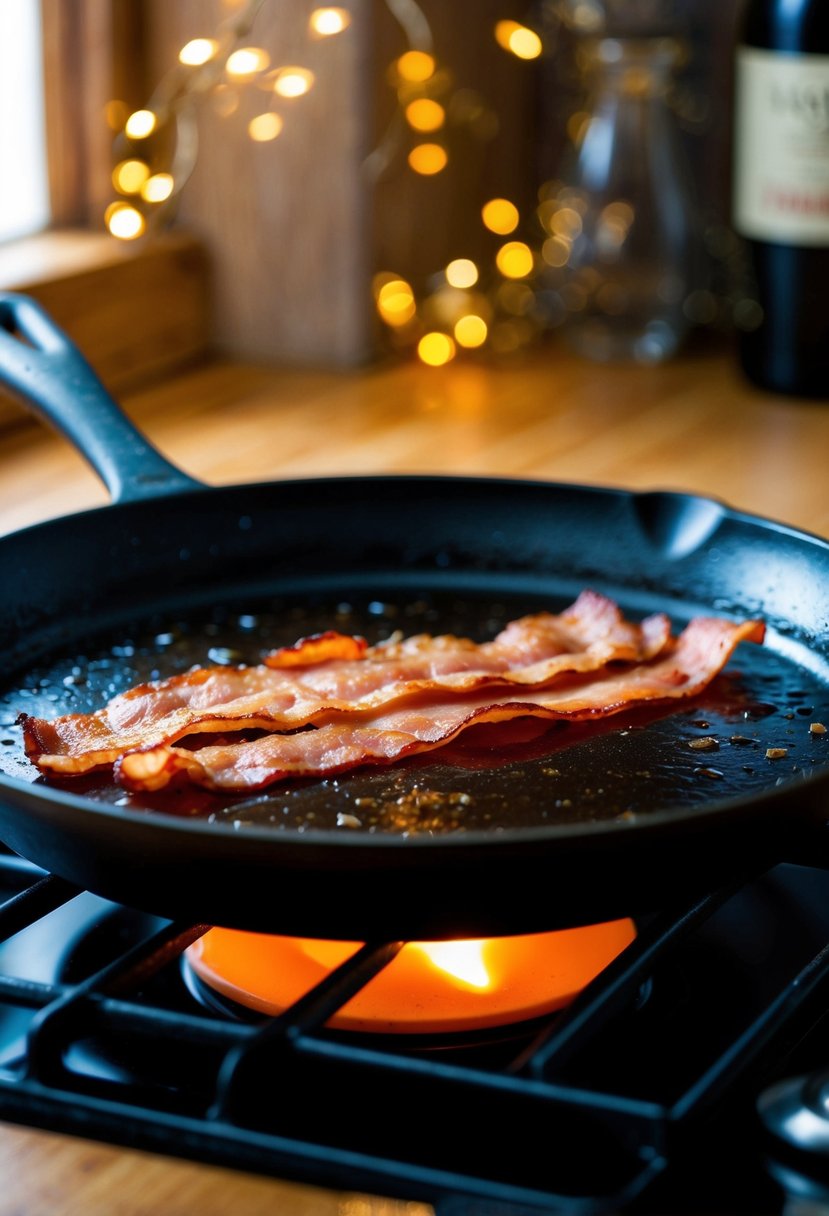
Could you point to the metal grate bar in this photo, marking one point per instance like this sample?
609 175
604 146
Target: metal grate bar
27 906
53 1027
289 1157
506 1128
311 1011
777 1013
618 985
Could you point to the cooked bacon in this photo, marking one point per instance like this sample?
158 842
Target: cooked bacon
334 674
319 648
423 724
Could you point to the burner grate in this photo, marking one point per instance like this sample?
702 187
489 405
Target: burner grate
596 1108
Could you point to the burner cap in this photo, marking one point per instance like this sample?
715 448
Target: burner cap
795 1113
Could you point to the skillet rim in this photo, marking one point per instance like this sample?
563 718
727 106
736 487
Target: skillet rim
647 823
650 823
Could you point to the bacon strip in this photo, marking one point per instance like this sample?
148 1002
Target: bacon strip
333 674
701 651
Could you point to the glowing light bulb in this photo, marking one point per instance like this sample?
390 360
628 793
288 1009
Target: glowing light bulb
265 127
462 272
140 124
500 216
293 82
428 159
425 114
518 40
396 302
198 51
514 260
416 66
157 188
436 349
124 221
470 331
247 61
324 22
129 176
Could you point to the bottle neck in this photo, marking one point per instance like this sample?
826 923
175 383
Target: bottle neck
788 26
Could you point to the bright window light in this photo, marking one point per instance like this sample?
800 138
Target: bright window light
24 198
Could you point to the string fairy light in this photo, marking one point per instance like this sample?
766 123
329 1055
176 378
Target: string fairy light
156 146
467 306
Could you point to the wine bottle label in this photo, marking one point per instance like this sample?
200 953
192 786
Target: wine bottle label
781 147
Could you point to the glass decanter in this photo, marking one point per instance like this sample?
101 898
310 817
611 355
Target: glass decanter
624 232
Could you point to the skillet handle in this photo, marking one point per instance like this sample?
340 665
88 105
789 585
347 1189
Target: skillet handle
47 373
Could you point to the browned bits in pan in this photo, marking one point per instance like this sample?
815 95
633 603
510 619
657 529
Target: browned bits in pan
706 744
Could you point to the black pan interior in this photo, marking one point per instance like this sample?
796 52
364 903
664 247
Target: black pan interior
505 834
527 775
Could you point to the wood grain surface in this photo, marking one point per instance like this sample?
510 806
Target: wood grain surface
692 425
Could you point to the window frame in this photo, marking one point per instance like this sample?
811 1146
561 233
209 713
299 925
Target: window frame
92 54
138 310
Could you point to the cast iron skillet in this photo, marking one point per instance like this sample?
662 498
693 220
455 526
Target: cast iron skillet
526 835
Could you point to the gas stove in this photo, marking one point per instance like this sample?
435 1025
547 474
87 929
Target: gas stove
671 1084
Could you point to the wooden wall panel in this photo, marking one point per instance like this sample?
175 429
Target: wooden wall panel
286 222
297 227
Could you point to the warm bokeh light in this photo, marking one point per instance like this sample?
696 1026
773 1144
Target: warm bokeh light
198 51
293 82
265 127
247 61
471 331
514 260
453 310
140 124
124 221
462 272
324 22
396 302
129 176
566 222
425 114
436 349
428 159
516 38
500 216
158 188
416 66
556 251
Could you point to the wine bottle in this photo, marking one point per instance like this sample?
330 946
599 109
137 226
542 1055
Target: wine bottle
781 193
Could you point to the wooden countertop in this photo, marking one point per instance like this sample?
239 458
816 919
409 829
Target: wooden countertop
692 425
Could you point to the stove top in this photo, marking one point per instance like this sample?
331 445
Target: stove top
642 1096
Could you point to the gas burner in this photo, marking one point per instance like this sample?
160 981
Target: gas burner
426 988
648 1103
795 1114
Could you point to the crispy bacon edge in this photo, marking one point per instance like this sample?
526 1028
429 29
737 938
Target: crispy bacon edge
79 743
387 740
